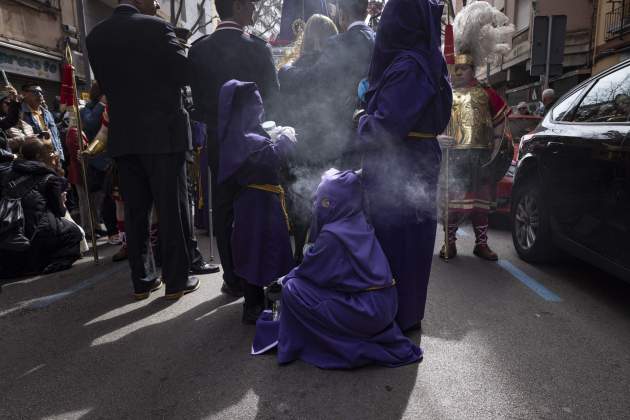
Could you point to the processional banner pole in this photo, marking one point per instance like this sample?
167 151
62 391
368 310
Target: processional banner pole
74 98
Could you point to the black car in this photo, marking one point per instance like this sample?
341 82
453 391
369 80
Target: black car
572 183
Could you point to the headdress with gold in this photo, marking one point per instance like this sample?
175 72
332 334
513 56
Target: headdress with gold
482 33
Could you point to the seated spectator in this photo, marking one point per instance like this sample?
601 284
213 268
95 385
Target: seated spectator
15 129
37 116
338 307
522 109
54 240
548 100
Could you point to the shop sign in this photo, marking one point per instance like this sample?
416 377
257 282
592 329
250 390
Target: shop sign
29 65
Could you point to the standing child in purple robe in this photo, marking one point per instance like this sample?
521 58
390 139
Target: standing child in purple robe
338 306
408 104
261 248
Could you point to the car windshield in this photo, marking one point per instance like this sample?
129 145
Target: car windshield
560 111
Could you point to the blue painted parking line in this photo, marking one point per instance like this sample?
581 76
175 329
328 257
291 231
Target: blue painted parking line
47 300
540 290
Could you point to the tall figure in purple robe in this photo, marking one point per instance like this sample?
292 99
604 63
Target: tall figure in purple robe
338 306
261 248
408 104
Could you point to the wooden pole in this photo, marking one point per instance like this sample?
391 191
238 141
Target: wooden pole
75 108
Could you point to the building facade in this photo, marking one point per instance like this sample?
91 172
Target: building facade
34 34
612 34
33 37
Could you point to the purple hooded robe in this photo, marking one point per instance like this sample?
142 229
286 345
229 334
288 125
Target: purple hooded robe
261 248
409 93
338 306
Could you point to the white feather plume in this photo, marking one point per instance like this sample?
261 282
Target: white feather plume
482 31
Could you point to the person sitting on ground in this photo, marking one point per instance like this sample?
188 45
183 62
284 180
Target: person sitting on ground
35 114
54 240
338 307
522 109
261 247
15 128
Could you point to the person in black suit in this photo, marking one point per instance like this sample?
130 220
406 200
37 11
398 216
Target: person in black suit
141 66
230 53
343 63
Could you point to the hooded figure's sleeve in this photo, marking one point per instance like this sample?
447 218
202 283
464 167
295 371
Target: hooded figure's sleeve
272 156
397 105
323 263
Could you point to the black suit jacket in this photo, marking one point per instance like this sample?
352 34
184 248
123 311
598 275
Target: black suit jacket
224 55
334 79
344 61
141 66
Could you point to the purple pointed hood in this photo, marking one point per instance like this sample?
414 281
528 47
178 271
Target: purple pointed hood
239 129
338 210
411 29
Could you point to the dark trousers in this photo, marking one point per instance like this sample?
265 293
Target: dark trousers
223 196
159 179
108 211
57 241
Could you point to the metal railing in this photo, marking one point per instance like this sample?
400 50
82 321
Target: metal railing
618 19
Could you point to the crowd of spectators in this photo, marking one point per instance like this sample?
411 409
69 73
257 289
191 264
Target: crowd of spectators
40 172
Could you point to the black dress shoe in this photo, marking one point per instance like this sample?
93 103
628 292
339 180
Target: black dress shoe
143 291
226 289
251 314
203 267
56 266
192 284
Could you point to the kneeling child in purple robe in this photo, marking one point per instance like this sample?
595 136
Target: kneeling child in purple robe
338 307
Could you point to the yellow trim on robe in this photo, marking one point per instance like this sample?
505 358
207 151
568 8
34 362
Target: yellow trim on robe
370 289
417 135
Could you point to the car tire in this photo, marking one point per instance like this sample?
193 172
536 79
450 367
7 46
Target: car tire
531 228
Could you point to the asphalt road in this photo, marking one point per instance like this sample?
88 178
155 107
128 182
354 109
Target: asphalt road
501 340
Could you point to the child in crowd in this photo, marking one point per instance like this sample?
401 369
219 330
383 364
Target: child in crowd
251 160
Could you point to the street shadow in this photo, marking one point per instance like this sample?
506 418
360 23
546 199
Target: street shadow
188 359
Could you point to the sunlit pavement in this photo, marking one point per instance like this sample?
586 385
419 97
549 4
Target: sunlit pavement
501 340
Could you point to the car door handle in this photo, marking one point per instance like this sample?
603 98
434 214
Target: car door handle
554 146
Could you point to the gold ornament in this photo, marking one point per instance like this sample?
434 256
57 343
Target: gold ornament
471 122
464 59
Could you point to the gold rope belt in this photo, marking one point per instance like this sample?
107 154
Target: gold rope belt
371 289
276 189
420 136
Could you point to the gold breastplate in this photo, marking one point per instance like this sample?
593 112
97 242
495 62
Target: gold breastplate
471 122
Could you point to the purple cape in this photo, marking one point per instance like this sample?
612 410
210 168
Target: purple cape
261 247
400 173
338 306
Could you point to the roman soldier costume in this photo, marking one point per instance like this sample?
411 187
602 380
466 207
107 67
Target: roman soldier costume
477 149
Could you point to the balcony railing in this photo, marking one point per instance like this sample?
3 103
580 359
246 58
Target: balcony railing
618 20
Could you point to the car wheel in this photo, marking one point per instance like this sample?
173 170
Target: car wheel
531 232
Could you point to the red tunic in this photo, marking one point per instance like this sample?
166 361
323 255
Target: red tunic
74 166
